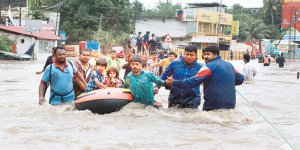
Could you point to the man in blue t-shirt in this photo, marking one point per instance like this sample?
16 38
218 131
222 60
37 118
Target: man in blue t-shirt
60 76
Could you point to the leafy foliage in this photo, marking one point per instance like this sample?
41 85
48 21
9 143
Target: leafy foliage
5 43
258 25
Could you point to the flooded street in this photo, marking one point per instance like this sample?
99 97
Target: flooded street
26 125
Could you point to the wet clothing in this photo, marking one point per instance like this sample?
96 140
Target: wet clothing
183 97
127 68
92 85
141 86
48 62
281 61
266 61
86 75
61 83
219 79
249 72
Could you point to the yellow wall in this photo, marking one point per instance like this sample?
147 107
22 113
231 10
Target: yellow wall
213 17
208 21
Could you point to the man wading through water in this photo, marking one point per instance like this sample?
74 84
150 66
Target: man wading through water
83 66
59 75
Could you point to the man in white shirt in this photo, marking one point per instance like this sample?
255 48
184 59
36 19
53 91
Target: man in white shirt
249 70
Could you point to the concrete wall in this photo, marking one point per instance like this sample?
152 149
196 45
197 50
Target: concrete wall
22 47
160 27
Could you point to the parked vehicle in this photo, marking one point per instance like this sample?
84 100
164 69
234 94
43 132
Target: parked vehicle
119 49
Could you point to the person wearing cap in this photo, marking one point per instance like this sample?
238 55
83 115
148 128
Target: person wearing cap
219 79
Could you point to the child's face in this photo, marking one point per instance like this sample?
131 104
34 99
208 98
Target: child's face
112 74
100 68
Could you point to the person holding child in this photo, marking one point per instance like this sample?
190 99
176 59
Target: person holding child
112 80
97 76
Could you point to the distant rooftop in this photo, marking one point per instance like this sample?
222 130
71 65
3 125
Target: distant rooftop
200 5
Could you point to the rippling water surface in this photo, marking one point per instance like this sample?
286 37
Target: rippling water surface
26 125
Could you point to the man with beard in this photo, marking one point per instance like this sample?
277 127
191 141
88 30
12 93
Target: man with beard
83 66
219 79
140 82
59 75
181 69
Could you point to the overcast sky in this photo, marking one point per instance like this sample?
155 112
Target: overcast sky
245 3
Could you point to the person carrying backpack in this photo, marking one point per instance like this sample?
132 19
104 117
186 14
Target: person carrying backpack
60 76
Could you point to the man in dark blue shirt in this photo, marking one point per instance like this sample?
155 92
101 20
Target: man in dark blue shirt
181 69
219 79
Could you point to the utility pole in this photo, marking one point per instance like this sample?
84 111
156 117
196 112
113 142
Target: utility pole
220 16
99 30
20 3
290 29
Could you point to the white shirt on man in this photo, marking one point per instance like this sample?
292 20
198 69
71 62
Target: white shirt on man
249 72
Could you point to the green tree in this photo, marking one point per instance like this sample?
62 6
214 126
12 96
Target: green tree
163 9
252 30
5 43
272 12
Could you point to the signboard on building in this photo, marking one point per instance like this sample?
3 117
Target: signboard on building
214 17
205 39
235 25
290 19
186 14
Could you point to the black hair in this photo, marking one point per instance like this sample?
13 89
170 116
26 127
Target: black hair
113 51
85 50
57 48
101 62
53 50
113 69
190 48
136 58
246 57
153 53
172 53
131 32
212 49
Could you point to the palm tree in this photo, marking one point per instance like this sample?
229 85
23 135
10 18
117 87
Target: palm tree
252 30
271 10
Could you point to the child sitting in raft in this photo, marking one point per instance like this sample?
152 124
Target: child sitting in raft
97 76
112 80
